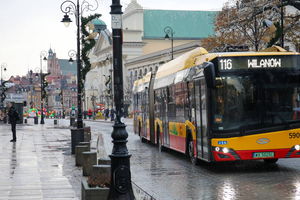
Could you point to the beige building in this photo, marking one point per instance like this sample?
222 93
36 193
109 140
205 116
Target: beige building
145 46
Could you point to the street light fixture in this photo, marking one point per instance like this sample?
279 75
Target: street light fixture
3 68
121 187
169 35
43 55
69 7
72 54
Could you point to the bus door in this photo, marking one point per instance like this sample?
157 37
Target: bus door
200 113
203 112
196 115
165 121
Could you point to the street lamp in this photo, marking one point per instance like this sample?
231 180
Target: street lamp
71 54
3 68
121 187
43 55
2 85
169 35
69 7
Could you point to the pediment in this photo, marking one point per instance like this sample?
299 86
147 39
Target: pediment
104 42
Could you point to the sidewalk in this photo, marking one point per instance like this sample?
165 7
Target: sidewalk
39 165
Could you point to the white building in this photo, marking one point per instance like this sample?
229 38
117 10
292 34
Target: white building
144 45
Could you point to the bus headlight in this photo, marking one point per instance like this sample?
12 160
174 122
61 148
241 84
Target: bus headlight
297 147
225 150
217 149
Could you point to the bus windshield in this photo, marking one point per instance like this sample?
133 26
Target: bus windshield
256 100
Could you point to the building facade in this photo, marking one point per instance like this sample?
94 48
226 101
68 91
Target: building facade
145 46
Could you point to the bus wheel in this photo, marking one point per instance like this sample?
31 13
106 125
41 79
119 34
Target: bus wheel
191 155
140 130
271 161
160 147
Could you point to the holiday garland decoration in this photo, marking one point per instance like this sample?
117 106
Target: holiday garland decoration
87 44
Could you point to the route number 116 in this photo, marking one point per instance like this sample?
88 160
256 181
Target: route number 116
226 64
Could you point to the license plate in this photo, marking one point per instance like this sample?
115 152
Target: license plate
263 155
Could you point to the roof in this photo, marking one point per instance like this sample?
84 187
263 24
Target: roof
184 61
140 84
98 21
185 24
66 67
209 57
200 55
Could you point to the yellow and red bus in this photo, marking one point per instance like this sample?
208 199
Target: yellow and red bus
223 106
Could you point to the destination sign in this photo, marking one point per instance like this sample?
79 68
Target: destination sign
258 62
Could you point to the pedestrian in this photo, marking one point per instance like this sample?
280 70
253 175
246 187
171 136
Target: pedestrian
106 113
13 117
112 114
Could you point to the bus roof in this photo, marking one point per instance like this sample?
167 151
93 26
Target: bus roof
139 85
267 52
184 61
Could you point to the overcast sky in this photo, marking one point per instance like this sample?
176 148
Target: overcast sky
31 26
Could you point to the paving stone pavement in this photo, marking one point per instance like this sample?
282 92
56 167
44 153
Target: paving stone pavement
39 165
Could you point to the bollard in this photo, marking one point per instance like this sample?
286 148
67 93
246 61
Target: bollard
101 172
76 137
87 134
88 160
25 121
85 144
104 161
55 122
36 120
72 121
78 153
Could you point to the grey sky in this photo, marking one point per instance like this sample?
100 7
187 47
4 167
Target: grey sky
28 27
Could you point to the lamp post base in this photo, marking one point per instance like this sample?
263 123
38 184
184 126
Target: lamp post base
121 187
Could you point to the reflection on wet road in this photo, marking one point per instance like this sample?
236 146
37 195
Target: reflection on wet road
39 166
170 176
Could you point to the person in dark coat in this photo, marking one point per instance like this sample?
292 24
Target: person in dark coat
112 114
13 117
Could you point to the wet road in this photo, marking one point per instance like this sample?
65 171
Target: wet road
170 176
39 166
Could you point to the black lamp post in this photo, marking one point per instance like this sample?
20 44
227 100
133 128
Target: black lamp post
43 55
31 84
69 7
3 68
282 26
121 187
169 35
2 86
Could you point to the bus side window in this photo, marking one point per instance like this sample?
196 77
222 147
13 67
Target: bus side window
186 102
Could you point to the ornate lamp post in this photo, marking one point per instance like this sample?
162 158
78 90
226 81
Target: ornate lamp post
2 86
43 55
69 7
169 35
121 187
3 68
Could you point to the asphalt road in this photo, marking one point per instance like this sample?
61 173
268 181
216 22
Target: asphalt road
170 176
42 153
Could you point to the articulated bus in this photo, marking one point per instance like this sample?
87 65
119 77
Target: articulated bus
223 106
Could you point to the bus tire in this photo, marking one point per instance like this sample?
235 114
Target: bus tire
271 161
159 144
140 130
190 148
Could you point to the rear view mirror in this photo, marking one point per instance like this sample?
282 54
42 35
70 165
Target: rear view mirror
210 75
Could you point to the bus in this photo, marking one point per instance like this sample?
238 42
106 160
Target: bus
224 106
